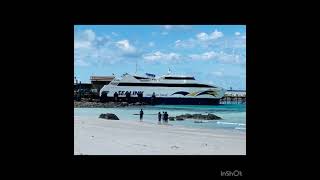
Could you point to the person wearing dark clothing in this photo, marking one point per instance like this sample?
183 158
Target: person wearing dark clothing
163 116
128 97
159 117
141 115
153 98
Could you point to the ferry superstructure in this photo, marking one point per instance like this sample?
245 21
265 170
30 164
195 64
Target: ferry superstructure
167 89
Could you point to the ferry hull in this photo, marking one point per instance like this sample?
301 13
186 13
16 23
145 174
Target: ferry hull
185 101
159 92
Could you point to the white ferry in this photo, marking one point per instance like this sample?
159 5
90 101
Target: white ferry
167 89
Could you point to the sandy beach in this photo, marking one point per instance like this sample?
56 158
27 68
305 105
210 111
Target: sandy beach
94 136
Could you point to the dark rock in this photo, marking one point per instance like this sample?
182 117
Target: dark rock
212 117
179 118
124 104
171 118
198 116
109 116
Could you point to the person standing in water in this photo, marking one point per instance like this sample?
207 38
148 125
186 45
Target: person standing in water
159 117
166 117
141 115
162 116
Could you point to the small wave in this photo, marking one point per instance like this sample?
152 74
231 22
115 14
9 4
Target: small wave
228 123
240 128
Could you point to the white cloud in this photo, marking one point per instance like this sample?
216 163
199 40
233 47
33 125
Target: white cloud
202 39
167 26
207 37
164 33
216 34
238 42
204 56
115 34
89 35
81 63
151 44
185 43
217 73
221 57
159 56
229 58
125 46
91 50
81 44
237 33
203 36
84 39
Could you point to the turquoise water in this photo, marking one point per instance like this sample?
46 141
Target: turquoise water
233 115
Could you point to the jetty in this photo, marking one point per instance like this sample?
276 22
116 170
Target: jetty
234 97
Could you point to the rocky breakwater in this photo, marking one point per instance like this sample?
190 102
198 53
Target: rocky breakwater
197 116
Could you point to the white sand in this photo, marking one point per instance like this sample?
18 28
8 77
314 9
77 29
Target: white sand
94 136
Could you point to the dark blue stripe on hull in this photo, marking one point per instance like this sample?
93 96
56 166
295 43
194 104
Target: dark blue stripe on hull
170 101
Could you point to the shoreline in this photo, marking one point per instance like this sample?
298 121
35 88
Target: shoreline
94 136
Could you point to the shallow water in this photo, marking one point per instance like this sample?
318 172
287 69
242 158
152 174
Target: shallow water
233 115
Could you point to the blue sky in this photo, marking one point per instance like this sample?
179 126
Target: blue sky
214 54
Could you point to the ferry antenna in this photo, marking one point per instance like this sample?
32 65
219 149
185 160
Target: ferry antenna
136 67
